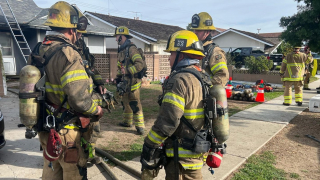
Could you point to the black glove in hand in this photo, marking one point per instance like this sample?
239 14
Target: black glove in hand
147 152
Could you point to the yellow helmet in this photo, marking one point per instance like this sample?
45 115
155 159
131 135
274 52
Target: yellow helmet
202 21
185 41
64 15
122 30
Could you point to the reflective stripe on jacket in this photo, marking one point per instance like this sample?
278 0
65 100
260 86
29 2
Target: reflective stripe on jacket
293 67
66 76
182 97
217 66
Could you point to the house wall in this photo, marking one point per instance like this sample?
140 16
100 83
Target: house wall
96 44
111 41
233 40
159 48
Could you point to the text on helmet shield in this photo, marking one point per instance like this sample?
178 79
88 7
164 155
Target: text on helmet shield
195 21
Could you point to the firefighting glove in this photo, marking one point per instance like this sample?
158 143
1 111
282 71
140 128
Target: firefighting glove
147 152
134 106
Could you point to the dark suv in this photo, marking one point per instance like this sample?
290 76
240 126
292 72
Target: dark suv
2 140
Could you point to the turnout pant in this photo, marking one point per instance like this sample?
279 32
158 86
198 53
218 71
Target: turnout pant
307 79
61 169
132 108
183 173
288 90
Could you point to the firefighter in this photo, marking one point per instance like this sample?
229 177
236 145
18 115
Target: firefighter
93 131
291 72
215 62
309 67
130 64
182 99
68 88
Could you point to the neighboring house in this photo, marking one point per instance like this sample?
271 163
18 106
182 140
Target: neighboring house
274 38
231 39
31 18
151 37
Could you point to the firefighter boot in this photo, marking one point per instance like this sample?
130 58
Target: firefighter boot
140 130
124 124
95 160
299 103
286 104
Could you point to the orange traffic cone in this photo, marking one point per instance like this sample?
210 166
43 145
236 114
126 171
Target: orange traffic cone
260 95
229 88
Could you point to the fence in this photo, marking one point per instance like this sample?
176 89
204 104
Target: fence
158 65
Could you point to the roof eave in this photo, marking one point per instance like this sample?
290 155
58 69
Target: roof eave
224 32
103 21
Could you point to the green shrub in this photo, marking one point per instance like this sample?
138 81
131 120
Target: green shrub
258 65
229 58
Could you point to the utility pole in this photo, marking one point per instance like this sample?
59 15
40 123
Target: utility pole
259 30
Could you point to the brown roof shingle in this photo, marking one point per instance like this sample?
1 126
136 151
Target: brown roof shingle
270 35
153 30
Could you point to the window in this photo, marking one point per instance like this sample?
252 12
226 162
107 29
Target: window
6 44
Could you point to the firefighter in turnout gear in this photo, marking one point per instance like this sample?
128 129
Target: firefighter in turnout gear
69 91
309 67
183 98
215 62
93 131
291 72
130 64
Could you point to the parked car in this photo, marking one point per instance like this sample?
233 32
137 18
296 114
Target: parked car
2 140
239 54
277 59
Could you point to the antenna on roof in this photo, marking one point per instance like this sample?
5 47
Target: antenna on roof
136 17
259 30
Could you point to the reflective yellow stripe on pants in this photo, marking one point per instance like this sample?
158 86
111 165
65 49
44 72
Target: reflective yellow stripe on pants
138 119
298 97
127 117
287 99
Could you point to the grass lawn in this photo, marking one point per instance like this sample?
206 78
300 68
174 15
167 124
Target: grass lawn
260 167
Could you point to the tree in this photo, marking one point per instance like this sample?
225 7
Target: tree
189 27
303 26
284 48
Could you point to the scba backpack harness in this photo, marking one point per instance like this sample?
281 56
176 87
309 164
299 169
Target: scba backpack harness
204 141
143 72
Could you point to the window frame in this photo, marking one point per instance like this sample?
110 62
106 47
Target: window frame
11 42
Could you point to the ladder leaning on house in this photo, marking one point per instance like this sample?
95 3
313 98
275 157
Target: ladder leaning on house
15 29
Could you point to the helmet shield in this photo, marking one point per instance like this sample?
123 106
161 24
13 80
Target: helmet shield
195 21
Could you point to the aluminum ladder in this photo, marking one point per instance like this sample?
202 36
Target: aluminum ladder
15 29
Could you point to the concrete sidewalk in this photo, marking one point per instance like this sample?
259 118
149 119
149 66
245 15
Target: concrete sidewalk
249 131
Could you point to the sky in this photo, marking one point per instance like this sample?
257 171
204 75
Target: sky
245 15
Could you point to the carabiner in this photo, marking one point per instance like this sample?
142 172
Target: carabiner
53 121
